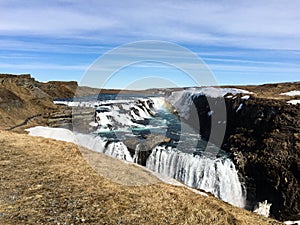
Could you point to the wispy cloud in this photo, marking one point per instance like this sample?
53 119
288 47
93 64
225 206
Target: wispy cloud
43 66
231 36
256 24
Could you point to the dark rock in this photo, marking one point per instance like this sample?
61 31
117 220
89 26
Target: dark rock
143 146
264 141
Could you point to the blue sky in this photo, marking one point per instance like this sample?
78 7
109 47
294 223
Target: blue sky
242 42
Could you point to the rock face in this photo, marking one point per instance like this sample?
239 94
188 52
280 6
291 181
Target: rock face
22 97
142 147
58 89
76 119
263 137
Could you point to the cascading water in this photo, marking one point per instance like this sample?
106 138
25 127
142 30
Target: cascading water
140 116
217 176
115 149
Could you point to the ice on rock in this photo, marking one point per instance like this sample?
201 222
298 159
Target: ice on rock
210 113
182 100
240 107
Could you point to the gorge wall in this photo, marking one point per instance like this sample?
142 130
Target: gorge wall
263 137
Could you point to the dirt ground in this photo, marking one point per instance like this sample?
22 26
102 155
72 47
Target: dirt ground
49 182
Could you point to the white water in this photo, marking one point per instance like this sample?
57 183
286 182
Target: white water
217 176
96 144
263 208
117 115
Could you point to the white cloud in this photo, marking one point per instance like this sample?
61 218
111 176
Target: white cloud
43 66
255 37
255 24
51 21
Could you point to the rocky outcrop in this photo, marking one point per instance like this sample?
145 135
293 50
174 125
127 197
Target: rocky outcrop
22 97
142 147
263 137
59 89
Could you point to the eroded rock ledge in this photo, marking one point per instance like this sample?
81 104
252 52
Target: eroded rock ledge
143 147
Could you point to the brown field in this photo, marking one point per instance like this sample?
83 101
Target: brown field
49 182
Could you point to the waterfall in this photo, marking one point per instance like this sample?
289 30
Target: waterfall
115 149
118 150
217 176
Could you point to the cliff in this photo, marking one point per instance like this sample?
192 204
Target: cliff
263 137
22 97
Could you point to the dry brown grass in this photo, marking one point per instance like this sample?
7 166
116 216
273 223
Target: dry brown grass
272 91
49 182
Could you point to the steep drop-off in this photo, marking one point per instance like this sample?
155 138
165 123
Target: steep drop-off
263 137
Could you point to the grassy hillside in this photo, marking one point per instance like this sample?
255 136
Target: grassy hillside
49 182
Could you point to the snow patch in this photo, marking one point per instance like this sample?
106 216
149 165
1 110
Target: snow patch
59 134
246 97
291 93
292 222
94 143
294 102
